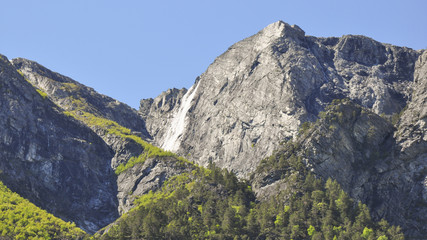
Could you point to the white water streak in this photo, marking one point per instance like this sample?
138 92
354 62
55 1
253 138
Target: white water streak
172 139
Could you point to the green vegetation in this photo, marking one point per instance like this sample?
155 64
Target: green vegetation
213 204
304 128
20 73
114 128
20 219
39 91
395 118
43 94
204 204
334 111
70 87
82 111
319 210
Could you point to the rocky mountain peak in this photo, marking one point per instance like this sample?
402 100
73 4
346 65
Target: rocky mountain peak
262 88
278 30
362 50
73 96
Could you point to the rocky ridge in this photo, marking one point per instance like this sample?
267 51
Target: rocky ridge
358 148
51 159
256 96
120 127
262 88
250 102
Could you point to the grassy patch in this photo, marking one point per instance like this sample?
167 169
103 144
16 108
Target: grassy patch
43 94
113 128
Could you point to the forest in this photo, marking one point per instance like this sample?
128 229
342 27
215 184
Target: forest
213 204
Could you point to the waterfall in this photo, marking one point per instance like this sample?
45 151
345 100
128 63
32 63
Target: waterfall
172 139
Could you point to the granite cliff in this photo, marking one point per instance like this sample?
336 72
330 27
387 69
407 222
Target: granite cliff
79 154
349 108
262 88
256 96
51 159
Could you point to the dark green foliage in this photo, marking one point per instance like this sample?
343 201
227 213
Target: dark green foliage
208 203
304 127
212 204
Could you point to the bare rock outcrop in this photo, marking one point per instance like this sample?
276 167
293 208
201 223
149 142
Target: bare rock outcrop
262 88
51 159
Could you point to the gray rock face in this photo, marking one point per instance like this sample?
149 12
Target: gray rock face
256 95
160 110
412 134
79 99
252 98
262 88
67 93
358 149
51 159
146 177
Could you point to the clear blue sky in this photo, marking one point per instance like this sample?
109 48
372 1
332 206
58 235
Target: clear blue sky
133 49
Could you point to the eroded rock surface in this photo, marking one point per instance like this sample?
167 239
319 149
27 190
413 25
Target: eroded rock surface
262 88
358 148
51 159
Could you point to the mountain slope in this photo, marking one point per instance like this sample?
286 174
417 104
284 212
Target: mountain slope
285 110
51 159
71 95
262 88
357 148
139 166
212 204
20 219
258 93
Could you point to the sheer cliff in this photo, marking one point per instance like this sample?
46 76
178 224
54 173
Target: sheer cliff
256 96
51 159
276 109
132 165
262 88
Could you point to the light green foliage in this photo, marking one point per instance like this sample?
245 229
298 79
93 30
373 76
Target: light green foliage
43 94
367 233
114 128
371 132
71 87
20 219
85 113
39 91
20 73
311 230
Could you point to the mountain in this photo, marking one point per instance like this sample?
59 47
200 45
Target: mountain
51 159
64 149
262 88
256 97
20 219
284 136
